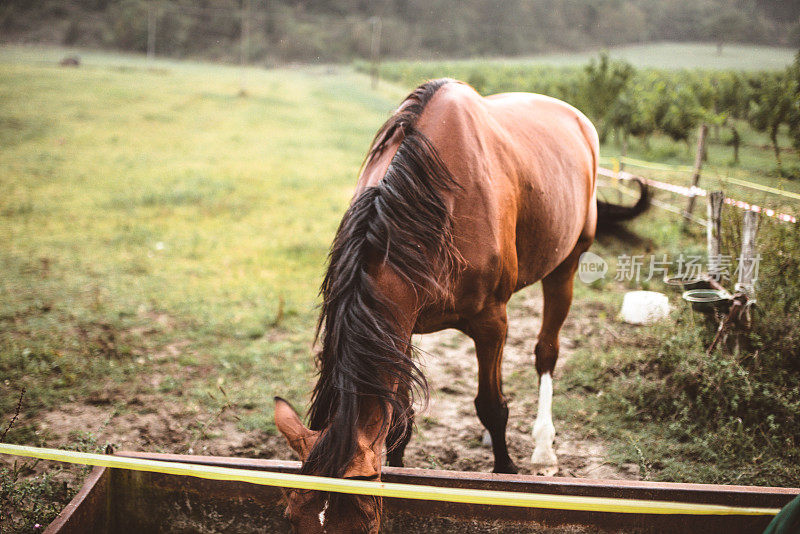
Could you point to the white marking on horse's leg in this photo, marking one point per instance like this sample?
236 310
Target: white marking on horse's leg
322 515
544 432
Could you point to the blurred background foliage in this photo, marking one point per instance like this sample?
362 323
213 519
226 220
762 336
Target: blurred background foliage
303 30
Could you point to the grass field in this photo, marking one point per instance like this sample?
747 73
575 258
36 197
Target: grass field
162 239
133 191
666 55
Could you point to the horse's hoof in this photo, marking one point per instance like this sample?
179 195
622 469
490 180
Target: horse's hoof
509 469
544 470
544 461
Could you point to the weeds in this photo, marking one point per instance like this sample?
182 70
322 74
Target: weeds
30 499
28 504
32 492
202 432
276 322
645 467
736 412
15 416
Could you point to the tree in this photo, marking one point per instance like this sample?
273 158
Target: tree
772 105
682 116
793 73
726 26
632 114
707 95
604 81
732 101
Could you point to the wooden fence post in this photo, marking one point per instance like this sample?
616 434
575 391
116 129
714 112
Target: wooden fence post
617 169
375 50
738 317
152 18
748 261
713 230
698 165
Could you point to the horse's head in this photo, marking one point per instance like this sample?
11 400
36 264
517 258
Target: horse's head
316 512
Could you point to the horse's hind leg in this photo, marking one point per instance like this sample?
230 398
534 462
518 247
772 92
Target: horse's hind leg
489 333
557 289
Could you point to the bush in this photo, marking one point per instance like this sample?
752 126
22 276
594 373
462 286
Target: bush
738 407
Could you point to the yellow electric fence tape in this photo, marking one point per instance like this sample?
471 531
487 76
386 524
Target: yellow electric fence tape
615 161
385 489
646 164
760 187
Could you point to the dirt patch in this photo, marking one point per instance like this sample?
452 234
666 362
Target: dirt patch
147 423
151 412
449 435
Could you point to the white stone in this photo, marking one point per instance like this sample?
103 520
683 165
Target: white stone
644 307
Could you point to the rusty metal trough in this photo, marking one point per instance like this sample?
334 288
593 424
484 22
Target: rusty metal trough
122 501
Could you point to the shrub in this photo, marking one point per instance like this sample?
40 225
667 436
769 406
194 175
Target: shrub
736 405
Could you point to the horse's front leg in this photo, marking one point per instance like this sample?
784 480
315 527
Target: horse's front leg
399 435
488 331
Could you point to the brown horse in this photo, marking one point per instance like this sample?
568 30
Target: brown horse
462 200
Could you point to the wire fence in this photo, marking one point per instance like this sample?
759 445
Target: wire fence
688 192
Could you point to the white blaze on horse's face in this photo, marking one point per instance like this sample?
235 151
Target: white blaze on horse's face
544 433
322 515
308 510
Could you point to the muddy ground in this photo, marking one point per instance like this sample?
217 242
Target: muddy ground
448 433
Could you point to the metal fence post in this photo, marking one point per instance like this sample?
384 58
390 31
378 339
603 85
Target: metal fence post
713 230
748 261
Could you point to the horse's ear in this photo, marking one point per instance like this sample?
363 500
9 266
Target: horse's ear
300 438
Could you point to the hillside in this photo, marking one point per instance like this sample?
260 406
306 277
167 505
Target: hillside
282 31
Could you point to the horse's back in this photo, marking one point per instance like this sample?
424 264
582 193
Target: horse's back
542 121
527 167
559 150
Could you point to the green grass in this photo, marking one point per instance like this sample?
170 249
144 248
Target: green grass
157 189
150 206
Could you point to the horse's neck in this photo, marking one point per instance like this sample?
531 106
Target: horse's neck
376 166
403 296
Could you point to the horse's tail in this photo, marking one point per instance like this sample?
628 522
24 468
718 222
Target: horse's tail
608 213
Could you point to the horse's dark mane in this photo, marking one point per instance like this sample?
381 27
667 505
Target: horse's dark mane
404 222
